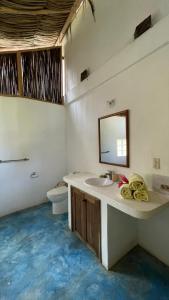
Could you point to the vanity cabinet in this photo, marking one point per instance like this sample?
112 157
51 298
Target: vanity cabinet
86 219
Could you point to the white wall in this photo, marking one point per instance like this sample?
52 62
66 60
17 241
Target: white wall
91 44
36 130
137 77
153 235
143 89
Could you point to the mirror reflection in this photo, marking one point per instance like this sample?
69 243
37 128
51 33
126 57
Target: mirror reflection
113 139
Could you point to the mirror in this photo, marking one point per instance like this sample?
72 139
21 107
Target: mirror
114 139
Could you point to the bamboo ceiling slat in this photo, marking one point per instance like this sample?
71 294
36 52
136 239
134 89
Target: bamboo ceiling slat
32 12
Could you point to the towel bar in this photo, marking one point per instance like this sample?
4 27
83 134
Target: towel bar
105 152
13 160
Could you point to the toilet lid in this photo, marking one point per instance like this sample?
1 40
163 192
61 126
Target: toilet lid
58 191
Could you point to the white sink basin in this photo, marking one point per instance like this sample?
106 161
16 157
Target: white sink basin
98 182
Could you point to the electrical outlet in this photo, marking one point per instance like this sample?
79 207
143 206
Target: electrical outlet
165 187
156 163
160 184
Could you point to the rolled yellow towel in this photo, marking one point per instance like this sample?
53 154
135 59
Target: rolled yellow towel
136 182
141 195
125 192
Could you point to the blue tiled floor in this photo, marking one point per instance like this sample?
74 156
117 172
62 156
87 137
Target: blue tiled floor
41 259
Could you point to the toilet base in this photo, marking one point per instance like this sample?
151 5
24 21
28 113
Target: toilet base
59 208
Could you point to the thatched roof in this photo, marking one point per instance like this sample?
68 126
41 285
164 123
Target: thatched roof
28 23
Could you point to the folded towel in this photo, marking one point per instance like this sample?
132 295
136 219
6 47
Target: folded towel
136 182
125 192
141 195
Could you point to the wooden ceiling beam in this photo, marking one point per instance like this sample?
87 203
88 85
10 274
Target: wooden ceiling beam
12 11
69 20
22 49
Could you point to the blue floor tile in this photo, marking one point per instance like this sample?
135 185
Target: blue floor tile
41 259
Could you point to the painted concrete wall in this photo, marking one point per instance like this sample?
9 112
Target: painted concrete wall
124 233
143 89
153 235
35 130
136 74
91 44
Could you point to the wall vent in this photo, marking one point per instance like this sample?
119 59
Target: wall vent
143 27
84 75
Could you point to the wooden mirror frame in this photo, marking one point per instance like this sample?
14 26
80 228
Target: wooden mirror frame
124 113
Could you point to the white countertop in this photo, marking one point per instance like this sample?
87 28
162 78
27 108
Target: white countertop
111 195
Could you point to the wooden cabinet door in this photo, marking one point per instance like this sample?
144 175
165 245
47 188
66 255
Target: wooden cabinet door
86 219
78 212
93 224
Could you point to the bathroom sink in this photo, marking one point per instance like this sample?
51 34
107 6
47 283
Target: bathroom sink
98 182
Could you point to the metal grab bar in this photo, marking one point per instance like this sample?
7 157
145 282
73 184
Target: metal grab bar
13 160
105 152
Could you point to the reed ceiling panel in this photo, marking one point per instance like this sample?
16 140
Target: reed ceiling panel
8 74
41 73
25 24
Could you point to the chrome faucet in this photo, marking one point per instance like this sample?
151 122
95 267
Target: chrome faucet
109 174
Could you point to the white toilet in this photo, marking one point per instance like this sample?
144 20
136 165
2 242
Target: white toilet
59 198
